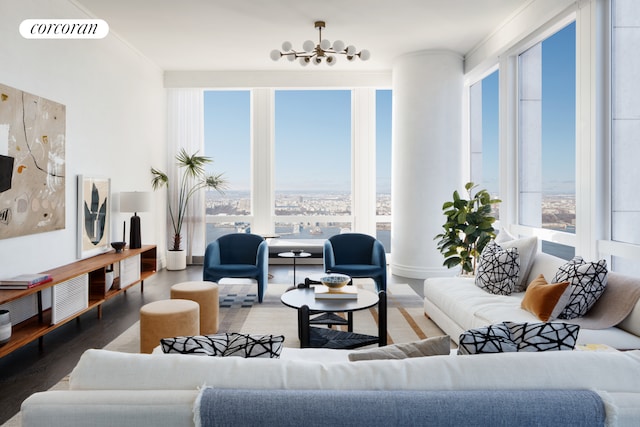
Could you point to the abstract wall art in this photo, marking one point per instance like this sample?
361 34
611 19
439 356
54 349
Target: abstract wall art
32 164
94 200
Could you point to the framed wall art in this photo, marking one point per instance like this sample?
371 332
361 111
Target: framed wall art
32 164
94 204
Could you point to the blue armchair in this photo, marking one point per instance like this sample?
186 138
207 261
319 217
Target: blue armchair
238 255
357 255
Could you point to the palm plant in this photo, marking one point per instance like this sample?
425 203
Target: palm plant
192 179
468 229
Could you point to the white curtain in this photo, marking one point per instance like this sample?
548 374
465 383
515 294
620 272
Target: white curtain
186 130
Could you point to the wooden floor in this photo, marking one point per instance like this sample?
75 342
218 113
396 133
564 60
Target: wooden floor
32 369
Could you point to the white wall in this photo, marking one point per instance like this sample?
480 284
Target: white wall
115 127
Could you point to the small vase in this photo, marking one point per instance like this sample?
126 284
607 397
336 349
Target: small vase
5 327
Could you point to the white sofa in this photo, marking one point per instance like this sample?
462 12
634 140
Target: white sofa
110 388
455 304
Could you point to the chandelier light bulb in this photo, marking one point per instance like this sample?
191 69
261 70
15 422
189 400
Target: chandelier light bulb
275 54
308 46
312 52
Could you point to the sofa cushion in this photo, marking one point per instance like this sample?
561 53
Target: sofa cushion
587 280
498 269
227 344
488 339
546 300
543 336
428 347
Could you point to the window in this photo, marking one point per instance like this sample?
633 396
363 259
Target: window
625 204
312 163
547 153
227 136
383 167
484 121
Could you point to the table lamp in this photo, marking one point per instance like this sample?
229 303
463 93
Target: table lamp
135 201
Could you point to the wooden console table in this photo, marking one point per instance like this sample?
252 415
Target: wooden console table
95 268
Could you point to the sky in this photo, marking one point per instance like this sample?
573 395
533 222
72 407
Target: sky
313 131
312 139
558 116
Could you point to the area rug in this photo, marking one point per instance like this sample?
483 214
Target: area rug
241 312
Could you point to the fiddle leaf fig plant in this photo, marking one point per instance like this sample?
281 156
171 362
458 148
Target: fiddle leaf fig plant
468 229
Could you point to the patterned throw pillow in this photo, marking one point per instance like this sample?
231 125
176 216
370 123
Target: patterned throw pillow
228 344
588 281
489 339
527 249
498 269
544 336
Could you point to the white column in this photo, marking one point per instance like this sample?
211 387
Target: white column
427 156
364 160
262 160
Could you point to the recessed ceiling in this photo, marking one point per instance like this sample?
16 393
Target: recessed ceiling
239 34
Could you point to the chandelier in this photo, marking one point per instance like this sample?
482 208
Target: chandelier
315 53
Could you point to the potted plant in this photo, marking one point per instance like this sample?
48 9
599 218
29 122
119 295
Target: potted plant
193 178
468 229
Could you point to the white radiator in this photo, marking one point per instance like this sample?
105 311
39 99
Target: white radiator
69 297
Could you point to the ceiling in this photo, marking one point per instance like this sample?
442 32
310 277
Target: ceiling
239 34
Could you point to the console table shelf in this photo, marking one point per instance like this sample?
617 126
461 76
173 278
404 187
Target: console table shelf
95 268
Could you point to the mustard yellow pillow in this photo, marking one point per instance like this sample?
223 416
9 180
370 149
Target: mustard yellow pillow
546 300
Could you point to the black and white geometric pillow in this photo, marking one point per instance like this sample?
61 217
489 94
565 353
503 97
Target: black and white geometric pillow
242 345
498 269
543 336
227 344
488 339
202 345
588 281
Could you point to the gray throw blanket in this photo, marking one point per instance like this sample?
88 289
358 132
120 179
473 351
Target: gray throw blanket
309 408
614 305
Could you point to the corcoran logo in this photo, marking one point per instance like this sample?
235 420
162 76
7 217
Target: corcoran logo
64 29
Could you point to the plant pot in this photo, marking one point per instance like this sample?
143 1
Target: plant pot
176 260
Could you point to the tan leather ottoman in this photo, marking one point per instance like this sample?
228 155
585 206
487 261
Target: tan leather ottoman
205 294
165 319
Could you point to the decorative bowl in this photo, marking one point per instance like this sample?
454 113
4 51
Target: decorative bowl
296 251
118 246
335 280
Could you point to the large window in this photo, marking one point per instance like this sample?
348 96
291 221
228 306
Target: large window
312 163
383 167
547 142
484 135
625 151
227 135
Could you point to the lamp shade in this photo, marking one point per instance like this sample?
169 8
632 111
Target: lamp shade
135 201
